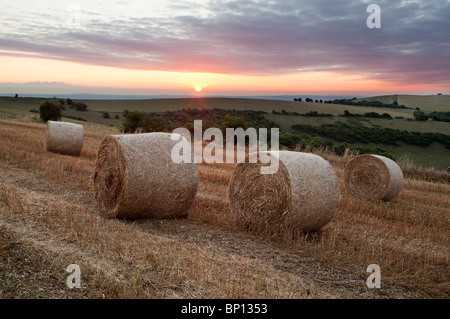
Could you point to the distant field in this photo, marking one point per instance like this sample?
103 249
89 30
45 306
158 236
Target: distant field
427 103
286 121
162 105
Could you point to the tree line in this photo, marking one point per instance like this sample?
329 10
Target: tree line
365 103
310 114
435 116
342 132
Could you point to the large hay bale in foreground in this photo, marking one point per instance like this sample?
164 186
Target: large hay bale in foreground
64 138
135 177
373 177
302 195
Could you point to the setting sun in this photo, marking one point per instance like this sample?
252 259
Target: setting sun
198 89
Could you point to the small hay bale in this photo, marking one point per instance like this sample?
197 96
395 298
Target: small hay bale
135 177
64 138
302 195
373 177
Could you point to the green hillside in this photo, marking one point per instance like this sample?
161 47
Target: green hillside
427 103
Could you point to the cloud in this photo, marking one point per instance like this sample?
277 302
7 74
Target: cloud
245 37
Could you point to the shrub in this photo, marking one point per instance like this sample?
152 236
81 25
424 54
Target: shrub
80 106
420 116
106 115
288 139
440 116
49 111
142 121
233 122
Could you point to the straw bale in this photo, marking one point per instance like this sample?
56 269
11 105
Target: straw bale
373 177
135 177
64 138
302 195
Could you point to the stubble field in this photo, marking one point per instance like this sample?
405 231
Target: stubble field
48 221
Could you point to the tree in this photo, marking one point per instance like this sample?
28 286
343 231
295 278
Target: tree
16 96
49 111
106 115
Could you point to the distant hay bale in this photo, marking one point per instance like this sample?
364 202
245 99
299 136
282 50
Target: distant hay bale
135 177
373 177
302 195
64 138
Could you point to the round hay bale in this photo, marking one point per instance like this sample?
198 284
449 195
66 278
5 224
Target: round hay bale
64 138
135 177
302 195
373 177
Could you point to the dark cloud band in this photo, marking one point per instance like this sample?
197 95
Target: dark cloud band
252 38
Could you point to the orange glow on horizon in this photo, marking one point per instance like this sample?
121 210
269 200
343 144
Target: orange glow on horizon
28 69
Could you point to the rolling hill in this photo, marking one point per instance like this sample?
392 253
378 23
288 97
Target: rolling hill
427 103
436 156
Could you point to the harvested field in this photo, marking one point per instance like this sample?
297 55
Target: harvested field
48 221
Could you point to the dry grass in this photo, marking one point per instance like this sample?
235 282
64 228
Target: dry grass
48 221
423 173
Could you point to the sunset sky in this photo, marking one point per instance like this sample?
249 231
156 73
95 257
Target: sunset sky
224 47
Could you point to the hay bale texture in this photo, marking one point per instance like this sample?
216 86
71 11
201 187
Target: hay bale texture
302 195
373 177
64 138
135 177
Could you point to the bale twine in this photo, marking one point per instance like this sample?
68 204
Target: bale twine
135 177
302 195
64 138
373 177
